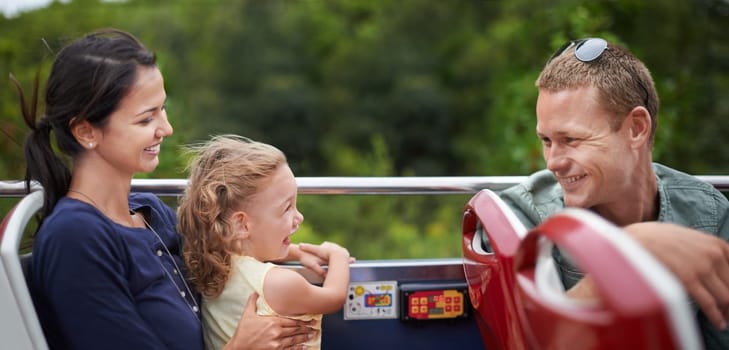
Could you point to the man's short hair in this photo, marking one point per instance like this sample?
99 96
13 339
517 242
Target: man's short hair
622 81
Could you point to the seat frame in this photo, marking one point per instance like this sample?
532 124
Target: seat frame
15 299
519 299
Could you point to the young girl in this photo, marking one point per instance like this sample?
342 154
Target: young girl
237 213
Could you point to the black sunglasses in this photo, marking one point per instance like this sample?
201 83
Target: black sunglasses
590 49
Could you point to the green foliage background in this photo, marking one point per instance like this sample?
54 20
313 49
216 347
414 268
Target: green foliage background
386 88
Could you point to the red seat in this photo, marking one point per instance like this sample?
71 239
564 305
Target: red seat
491 238
19 325
519 300
641 305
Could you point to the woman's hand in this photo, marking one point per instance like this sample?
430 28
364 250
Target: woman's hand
256 332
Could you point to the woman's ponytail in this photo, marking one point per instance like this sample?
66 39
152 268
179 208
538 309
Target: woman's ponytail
41 162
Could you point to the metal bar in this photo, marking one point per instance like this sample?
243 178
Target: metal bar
402 270
355 185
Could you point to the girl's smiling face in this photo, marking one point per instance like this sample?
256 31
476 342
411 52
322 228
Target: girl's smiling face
271 216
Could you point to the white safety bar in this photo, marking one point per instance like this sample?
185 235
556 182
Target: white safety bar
19 325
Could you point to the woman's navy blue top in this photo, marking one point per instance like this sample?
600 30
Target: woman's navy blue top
100 285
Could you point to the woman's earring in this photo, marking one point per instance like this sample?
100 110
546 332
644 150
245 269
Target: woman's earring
91 145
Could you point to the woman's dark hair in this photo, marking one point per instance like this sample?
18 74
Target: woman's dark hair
88 79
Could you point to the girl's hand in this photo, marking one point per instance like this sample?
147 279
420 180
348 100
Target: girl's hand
313 256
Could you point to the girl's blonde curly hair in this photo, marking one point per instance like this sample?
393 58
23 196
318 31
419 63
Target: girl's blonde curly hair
224 173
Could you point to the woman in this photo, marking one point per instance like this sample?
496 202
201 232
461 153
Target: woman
106 271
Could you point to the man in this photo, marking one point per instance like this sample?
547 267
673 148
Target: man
596 117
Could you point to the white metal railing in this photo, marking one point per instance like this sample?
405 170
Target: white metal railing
355 185
400 269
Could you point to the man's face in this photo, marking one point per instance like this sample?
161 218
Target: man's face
591 161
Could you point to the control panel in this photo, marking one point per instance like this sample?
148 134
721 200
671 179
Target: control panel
371 300
434 301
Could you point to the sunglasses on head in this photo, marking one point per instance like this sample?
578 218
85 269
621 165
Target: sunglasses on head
590 49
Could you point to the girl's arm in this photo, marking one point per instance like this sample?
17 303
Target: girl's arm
289 293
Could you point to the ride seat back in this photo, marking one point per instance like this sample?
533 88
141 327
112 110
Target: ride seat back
491 237
641 305
19 325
